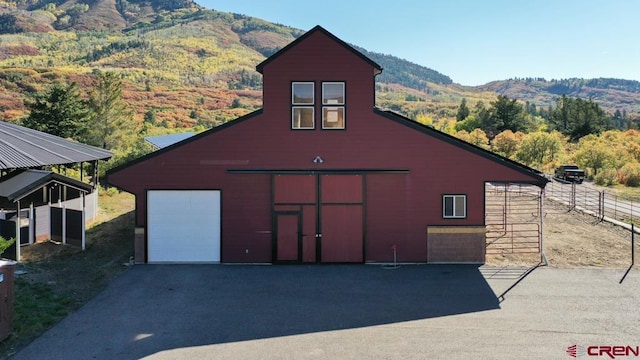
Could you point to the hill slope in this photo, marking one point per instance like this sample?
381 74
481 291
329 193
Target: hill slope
188 65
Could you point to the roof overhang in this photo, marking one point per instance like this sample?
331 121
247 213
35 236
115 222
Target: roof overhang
22 148
16 187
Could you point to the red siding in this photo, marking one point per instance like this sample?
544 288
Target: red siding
390 219
341 188
297 189
399 207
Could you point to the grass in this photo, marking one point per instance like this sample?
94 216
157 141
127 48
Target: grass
626 192
60 279
37 307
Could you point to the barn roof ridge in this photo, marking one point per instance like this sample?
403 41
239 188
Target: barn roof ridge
324 31
394 116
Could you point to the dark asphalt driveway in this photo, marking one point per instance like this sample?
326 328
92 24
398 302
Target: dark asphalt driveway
344 311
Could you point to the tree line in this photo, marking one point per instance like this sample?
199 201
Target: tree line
573 131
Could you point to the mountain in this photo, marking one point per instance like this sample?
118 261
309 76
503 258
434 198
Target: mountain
610 94
88 15
184 65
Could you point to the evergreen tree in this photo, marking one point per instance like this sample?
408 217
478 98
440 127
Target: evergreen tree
505 114
576 118
111 124
61 111
463 110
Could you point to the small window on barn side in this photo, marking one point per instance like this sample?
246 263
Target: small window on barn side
454 206
333 105
302 109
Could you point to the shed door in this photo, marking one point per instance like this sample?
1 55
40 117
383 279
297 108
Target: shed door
183 226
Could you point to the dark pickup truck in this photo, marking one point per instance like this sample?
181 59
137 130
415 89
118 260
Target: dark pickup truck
570 173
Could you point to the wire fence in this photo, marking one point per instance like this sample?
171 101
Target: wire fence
601 204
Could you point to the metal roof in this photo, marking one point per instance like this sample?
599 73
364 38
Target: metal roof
162 141
21 147
20 184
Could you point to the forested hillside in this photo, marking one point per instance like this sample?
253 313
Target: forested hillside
611 94
178 66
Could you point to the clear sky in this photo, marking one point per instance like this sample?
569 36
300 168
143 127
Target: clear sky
476 41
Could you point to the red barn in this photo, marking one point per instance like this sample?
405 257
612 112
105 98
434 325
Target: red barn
319 175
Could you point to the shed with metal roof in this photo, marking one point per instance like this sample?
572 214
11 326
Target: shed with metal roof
28 193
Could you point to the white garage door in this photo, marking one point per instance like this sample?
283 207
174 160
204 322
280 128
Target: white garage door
183 226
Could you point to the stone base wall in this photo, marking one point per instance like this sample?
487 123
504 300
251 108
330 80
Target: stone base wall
139 246
456 244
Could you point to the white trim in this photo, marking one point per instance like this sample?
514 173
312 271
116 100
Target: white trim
334 102
454 197
313 92
293 119
335 108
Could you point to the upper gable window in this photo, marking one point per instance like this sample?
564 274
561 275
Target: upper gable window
333 105
302 93
302 117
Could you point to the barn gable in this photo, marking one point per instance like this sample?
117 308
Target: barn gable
318 175
319 29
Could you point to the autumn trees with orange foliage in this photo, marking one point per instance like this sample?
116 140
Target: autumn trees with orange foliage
575 131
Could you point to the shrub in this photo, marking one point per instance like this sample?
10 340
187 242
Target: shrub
5 244
629 174
606 177
112 191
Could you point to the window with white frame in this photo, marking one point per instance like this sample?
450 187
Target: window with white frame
454 206
302 105
333 100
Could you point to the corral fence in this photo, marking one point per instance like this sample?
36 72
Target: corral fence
512 218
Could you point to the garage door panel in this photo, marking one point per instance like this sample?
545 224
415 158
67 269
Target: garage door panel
183 226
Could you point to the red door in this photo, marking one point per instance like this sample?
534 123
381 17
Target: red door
342 233
288 236
326 212
341 219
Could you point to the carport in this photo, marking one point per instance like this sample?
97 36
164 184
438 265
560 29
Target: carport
33 201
